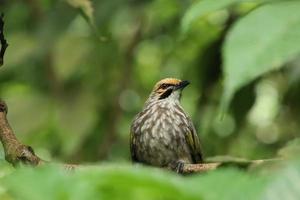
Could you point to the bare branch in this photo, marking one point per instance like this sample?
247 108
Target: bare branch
15 151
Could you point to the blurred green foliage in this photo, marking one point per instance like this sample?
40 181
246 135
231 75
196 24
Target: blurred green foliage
77 71
134 182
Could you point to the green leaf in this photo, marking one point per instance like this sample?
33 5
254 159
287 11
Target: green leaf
86 10
85 7
262 41
202 8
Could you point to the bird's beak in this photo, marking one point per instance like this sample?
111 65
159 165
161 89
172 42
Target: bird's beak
182 85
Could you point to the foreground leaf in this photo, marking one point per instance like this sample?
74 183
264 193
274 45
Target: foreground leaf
137 182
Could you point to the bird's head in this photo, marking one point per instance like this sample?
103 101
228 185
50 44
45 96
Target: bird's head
168 89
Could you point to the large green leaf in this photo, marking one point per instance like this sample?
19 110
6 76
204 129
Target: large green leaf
262 41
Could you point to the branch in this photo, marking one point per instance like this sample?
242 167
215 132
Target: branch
15 151
3 41
204 167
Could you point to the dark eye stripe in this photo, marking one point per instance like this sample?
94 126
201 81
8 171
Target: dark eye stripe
165 94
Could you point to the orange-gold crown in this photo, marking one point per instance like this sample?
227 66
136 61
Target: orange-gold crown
171 81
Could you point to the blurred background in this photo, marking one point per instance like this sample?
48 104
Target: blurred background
73 83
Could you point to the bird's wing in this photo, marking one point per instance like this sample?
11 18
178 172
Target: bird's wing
194 143
132 145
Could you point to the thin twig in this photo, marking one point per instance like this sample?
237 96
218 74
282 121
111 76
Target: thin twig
3 41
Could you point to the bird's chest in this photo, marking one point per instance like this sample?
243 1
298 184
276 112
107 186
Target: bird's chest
163 124
163 127
161 135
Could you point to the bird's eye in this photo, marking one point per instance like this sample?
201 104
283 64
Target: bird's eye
164 85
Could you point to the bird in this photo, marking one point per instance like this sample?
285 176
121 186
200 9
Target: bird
162 134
